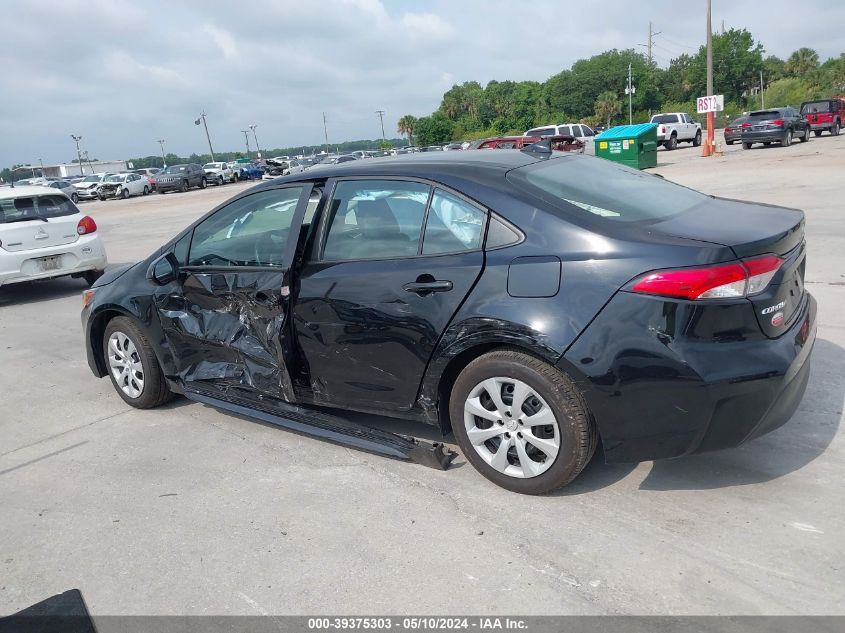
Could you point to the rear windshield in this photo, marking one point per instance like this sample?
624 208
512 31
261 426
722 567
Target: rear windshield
604 189
665 118
35 208
765 115
817 106
738 121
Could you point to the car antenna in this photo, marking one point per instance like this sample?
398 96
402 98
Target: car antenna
540 148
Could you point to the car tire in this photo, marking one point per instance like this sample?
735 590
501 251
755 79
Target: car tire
184 187
219 181
74 198
203 183
671 143
569 435
806 136
146 191
835 129
90 276
124 194
818 132
787 139
125 349
746 146
697 140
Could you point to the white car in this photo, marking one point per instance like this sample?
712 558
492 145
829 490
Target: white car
580 131
124 186
43 234
219 173
89 187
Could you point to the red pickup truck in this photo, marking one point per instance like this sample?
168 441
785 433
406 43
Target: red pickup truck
824 114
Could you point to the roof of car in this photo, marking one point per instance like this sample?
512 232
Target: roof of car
440 166
8 193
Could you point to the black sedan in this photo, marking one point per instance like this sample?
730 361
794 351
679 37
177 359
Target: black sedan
779 125
530 302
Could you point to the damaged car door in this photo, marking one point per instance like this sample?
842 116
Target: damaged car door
224 313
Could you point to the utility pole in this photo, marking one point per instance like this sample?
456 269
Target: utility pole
762 97
326 132
41 162
88 160
651 35
207 135
630 90
163 159
380 114
246 138
257 146
708 146
78 153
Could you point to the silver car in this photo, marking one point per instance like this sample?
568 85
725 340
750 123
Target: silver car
733 131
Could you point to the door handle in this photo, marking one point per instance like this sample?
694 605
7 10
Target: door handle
426 287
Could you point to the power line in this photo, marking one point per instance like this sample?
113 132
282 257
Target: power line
695 48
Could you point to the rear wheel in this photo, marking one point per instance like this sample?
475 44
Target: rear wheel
746 146
203 183
146 190
787 138
520 422
672 142
806 136
697 140
132 365
835 129
124 194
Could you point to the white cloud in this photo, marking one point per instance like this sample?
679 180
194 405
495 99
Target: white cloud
225 42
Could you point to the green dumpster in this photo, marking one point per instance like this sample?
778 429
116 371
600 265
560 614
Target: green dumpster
632 145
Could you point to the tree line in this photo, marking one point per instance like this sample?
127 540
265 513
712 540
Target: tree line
592 91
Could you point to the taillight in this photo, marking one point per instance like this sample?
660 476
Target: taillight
725 281
729 130
745 125
777 122
86 225
663 129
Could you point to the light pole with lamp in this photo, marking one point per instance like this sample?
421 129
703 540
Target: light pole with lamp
255 136
161 142
78 153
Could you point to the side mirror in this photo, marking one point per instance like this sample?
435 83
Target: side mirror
164 270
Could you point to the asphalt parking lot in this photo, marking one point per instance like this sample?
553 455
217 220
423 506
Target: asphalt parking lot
185 510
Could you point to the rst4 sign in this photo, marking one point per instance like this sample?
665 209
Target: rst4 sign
713 103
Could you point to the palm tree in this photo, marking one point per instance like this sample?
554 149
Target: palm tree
407 124
802 62
607 106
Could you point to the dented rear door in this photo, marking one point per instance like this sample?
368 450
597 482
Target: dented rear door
226 318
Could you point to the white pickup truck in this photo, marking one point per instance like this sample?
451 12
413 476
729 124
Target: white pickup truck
674 127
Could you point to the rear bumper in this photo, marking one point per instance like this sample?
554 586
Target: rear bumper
821 126
663 382
87 253
764 136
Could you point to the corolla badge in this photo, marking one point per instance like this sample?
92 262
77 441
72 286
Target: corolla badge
774 308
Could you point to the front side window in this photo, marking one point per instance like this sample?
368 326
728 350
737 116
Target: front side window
251 231
453 225
375 219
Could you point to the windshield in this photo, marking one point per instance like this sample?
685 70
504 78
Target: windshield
605 189
174 169
114 178
816 106
35 208
664 118
94 178
212 166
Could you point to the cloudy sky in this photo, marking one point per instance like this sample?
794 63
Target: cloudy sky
123 73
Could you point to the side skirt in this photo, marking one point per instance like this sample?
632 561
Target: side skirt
334 429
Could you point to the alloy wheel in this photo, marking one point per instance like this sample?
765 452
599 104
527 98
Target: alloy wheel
511 427
125 364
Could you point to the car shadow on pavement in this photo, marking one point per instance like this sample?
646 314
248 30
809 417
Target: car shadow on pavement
788 449
45 289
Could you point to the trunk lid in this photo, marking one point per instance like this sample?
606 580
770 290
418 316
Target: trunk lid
750 230
32 222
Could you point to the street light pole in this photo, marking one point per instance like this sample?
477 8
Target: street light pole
380 114
78 153
161 142
246 138
257 146
326 132
207 135
41 162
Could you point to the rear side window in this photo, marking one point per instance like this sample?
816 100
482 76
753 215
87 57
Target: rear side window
604 189
665 118
375 219
541 131
453 225
818 107
35 208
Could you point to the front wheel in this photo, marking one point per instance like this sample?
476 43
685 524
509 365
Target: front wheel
124 194
203 183
697 140
74 198
184 187
746 146
133 366
787 138
219 181
146 190
520 422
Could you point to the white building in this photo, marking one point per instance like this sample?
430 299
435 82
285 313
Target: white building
69 170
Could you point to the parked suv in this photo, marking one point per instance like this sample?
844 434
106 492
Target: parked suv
824 114
778 125
674 127
181 178
580 131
